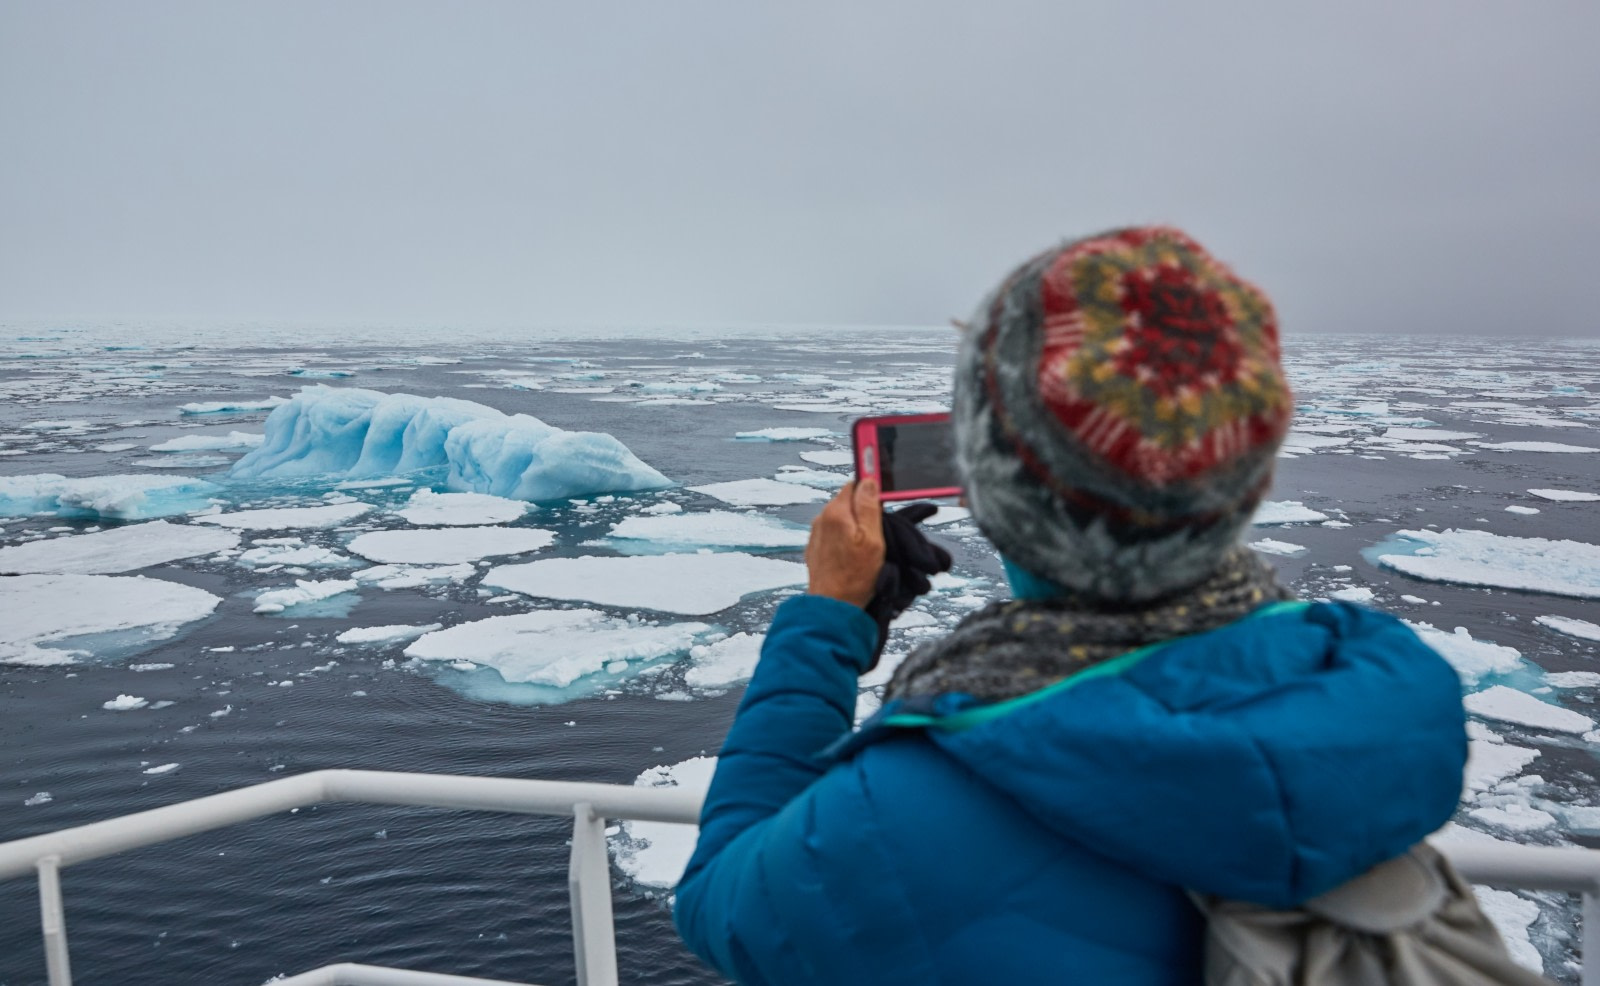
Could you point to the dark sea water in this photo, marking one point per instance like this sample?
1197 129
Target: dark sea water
484 894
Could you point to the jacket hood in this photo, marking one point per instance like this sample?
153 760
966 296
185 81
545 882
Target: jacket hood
1269 761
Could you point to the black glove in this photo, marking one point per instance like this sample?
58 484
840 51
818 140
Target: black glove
908 559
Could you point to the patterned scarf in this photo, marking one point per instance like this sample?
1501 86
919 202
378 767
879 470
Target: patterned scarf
1011 648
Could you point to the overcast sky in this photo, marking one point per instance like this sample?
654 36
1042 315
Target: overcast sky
1376 166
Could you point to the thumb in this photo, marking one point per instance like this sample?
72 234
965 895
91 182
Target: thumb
868 507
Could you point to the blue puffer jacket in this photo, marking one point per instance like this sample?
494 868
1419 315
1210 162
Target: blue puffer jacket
1269 760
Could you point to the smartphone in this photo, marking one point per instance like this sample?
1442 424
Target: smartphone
912 456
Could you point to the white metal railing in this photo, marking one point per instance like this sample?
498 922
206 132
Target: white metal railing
1568 869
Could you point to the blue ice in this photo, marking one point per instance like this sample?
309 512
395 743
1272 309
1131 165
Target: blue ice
358 434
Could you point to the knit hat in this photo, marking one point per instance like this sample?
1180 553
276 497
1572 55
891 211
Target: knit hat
1118 405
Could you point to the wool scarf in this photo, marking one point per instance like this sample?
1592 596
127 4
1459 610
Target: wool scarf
1012 648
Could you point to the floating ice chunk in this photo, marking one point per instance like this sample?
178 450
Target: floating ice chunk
188 461
389 577
363 433
816 478
653 854
1512 916
786 435
319 374
1300 441
1510 705
288 518
829 457
303 592
125 703
1571 626
1514 816
1534 447
427 508
760 493
373 484
1428 435
698 584
1489 763
42 798
232 407
165 768
1567 496
105 614
199 443
1352 594
725 663
451 546
1473 659
393 633
1285 512
711 529
120 549
1573 679
664 507
1563 568
115 447
1519 509
554 647
1284 548
121 497
291 551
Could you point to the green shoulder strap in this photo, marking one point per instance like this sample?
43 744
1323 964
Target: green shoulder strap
978 714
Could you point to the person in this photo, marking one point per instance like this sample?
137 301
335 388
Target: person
1151 714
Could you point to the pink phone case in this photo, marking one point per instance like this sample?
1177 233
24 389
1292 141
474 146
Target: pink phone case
864 436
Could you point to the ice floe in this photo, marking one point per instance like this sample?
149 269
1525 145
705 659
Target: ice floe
427 508
1353 594
232 407
1565 568
654 854
1573 679
210 443
450 546
697 584
363 434
786 435
120 549
47 622
1473 659
288 518
1512 916
119 497
1534 447
709 529
1571 626
829 457
290 551
820 479
393 633
1567 496
556 648
760 493
302 593
1517 508
390 577
725 663
125 703
1428 435
1491 761
1285 512
1284 548
1509 705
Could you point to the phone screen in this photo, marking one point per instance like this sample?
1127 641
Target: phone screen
918 456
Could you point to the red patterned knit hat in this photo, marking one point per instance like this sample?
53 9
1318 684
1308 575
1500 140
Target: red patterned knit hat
1119 402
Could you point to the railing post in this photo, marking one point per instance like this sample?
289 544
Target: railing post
1590 956
53 921
594 942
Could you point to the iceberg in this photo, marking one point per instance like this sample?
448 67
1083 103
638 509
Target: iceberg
121 497
359 434
121 549
46 617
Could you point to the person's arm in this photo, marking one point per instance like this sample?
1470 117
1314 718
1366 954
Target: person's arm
801 698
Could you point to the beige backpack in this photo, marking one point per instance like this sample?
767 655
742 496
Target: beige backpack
1410 921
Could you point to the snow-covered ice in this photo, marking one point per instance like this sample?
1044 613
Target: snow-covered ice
1489 763
202 443
450 546
427 508
1473 659
390 577
1567 496
119 497
555 647
829 457
1285 512
1571 626
1510 705
288 518
125 703
1565 568
1512 916
232 407
725 663
1428 435
1517 508
1534 447
44 619
360 434
820 479
163 768
710 529
697 584
653 854
1352 594
761 493
303 592
120 549
290 551
393 633
786 435
1573 679
1284 548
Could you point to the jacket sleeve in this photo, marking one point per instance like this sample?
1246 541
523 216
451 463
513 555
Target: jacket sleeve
801 698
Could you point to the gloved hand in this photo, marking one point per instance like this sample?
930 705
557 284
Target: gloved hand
909 558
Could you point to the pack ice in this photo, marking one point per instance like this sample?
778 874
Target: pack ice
358 434
1562 568
121 497
46 615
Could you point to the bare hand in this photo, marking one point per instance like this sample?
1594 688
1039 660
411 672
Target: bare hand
846 547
